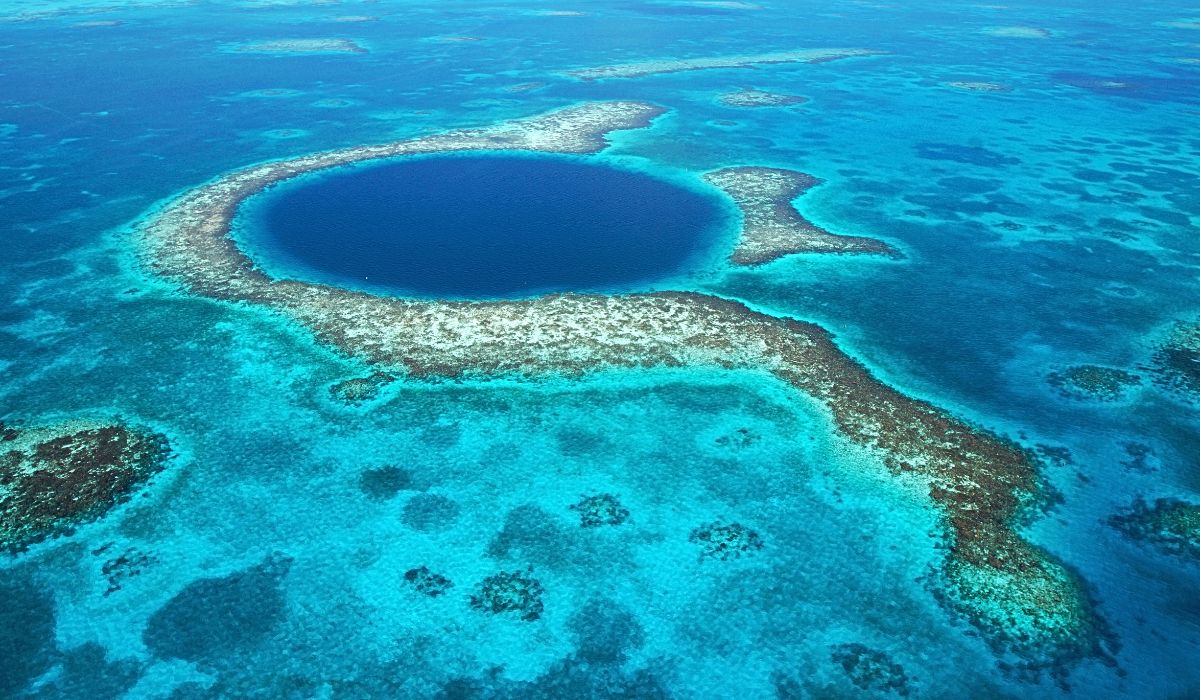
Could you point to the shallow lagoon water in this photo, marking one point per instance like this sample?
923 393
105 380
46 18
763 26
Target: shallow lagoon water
1044 227
484 227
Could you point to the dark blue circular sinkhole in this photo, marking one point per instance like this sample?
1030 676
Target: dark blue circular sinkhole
483 226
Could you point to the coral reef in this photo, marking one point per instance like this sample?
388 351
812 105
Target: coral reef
749 97
1176 363
771 226
128 564
1093 382
871 669
1017 594
383 483
1169 524
55 477
724 542
601 509
509 592
301 46
677 65
427 582
738 439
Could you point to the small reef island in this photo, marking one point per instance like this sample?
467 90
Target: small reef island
1035 612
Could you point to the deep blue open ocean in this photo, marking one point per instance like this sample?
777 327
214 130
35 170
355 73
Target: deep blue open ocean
1050 224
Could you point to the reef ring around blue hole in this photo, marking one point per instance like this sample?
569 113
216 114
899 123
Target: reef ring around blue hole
484 226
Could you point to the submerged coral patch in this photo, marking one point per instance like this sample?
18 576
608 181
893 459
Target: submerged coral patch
1093 382
870 669
515 592
427 582
600 509
119 568
360 389
55 477
300 46
1176 363
750 97
1170 524
724 542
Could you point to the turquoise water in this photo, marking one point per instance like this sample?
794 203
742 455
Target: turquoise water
1047 226
485 227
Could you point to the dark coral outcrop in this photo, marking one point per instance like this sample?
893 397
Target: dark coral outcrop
55 477
724 542
600 509
515 592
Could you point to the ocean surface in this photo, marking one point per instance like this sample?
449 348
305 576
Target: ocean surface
1047 224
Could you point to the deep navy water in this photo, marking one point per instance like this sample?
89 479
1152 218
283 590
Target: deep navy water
1051 224
484 227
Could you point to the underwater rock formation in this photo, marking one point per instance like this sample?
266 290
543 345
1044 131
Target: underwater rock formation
601 509
724 542
57 476
771 226
427 582
1169 524
1018 595
515 592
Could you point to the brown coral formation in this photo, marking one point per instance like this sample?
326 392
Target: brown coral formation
55 477
1019 596
771 226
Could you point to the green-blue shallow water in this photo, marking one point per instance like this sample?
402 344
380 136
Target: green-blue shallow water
1046 226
